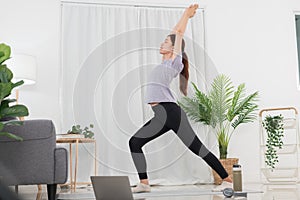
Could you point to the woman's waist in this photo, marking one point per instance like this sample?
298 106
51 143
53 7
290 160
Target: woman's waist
159 96
169 103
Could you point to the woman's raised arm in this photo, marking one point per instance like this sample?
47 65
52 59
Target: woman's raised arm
180 27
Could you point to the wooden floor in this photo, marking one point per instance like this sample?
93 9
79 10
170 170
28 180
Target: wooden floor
270 192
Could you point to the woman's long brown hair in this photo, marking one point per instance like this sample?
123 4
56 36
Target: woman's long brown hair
184 74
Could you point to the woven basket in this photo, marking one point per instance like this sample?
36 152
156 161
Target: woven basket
227 164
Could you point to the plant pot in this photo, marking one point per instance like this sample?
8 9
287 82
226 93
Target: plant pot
227 164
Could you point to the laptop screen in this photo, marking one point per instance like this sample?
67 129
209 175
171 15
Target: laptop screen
111 188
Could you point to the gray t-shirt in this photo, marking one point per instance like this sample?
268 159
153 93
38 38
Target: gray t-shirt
159 80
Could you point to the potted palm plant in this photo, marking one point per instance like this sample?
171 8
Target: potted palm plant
223 108
8 111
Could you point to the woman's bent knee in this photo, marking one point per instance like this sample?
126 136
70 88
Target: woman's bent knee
135 145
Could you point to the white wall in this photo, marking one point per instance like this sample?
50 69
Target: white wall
251 41
255 42
33 27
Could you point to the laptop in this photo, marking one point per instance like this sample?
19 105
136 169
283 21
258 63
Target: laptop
112 188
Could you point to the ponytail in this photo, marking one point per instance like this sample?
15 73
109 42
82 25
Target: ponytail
184 74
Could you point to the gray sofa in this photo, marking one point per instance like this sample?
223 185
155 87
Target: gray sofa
36 159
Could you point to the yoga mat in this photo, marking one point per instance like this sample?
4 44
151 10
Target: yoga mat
182 193
154 193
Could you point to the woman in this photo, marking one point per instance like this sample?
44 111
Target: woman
167 114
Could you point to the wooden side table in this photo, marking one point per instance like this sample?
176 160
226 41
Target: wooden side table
76 141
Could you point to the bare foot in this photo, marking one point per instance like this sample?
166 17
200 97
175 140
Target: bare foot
228 179
145 181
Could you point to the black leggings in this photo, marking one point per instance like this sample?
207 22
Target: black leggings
169 116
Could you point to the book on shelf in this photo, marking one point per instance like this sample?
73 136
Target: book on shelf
69 135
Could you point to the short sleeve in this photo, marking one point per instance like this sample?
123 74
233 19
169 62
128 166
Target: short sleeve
177 63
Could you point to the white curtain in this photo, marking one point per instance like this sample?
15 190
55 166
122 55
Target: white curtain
107 52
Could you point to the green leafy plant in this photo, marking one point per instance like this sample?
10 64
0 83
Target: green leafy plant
274 128
6 87
223 108
76 129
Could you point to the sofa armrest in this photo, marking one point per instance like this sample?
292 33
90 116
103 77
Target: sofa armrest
61 165
30 161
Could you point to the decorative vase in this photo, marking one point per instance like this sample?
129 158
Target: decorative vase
227 164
